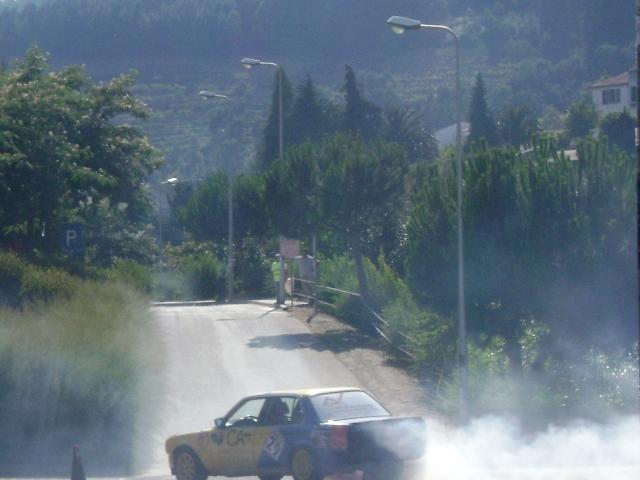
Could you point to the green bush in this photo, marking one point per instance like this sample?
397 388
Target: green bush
85 357
426 335
133 274
22 282
205 276
252 271
190 271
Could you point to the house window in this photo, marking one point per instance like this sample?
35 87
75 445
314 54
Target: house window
611 95
634 94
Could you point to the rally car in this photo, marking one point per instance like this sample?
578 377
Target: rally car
308 434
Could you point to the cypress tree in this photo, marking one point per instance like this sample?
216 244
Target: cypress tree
361 117
483 127
308 116
270 135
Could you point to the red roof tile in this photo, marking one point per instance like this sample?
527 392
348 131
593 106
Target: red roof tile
622 79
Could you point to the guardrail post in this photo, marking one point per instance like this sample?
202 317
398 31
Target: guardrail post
77 470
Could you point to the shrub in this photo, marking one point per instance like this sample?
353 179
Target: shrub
426 335
252 272
76 370
204 275
131 273
190 271
22 282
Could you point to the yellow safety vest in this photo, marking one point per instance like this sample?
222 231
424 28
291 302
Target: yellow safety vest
275 271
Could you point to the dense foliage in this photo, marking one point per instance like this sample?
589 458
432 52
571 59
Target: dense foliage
536 54
549 249
138 28
73 370
63 158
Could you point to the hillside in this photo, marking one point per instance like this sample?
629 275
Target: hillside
538 53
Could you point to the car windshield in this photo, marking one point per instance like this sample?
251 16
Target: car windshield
344 405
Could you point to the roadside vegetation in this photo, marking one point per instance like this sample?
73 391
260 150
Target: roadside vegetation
76 368
76 339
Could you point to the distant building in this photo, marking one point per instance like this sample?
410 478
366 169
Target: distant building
614 94
447 136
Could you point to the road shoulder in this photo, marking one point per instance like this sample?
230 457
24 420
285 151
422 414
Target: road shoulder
366 359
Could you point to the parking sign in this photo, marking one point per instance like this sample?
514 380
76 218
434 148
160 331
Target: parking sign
71 238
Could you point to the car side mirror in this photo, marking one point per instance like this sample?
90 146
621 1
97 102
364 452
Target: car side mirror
219 422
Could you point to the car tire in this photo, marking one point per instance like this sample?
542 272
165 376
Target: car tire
188 465
383 471
303 465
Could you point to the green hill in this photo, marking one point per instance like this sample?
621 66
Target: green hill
535 53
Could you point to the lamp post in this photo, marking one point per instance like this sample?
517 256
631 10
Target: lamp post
230 180
637 79
250 63
168 181
400 25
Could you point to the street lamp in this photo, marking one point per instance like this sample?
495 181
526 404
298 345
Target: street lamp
208 94
401 25
169 181
230 177
250 63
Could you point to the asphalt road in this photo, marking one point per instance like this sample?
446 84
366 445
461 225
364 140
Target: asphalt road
217 354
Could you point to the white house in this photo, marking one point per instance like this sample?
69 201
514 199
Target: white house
614 94
447 136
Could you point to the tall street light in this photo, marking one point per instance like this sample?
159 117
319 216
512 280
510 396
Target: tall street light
401 25
169 181
230 178
250 63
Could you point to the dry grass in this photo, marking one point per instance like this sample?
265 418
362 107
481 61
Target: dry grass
77 370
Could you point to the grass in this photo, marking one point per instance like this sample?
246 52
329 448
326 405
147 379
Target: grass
76 370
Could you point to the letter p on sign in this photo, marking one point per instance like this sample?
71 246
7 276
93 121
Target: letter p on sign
71 238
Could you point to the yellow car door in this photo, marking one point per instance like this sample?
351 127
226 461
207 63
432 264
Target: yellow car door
268 440
231 447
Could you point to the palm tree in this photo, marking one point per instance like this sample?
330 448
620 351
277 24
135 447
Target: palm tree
403 125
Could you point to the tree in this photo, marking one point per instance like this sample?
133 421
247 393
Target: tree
402 125
360 117
66 155
619 129
517 126
360 190
204 215
309 119
342 186
291 192
581 119
548 245
483 127
269 149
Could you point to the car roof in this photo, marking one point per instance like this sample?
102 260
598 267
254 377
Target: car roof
305 392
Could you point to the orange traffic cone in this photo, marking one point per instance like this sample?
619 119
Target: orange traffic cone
77 470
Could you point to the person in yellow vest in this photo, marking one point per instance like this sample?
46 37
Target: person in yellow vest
275 272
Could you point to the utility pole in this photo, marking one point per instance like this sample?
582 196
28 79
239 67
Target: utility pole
638 157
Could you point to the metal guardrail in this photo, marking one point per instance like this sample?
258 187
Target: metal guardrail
381 322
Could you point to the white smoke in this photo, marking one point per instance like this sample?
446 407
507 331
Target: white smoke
494 448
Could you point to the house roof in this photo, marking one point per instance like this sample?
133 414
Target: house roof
622 79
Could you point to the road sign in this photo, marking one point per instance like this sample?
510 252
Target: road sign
71 238
289 248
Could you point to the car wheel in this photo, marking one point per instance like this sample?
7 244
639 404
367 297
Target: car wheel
303 465
383 471
188 465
